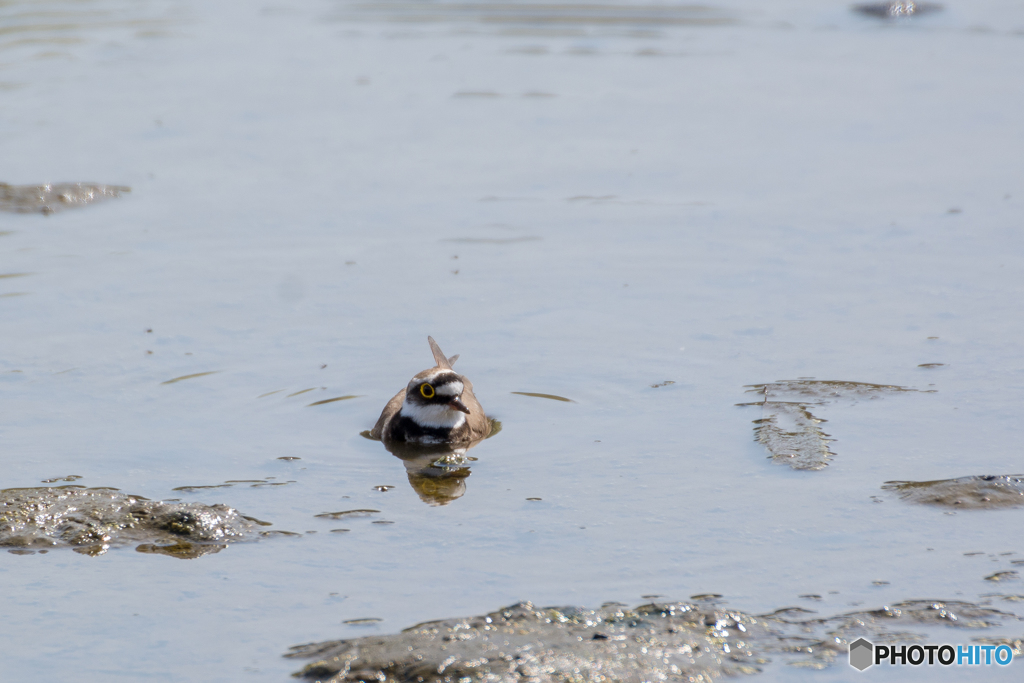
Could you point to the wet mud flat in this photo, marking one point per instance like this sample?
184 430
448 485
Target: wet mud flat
93 520
657 641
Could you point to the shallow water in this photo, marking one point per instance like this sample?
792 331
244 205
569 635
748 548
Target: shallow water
583 208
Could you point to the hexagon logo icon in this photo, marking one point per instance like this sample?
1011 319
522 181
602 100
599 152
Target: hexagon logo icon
862 654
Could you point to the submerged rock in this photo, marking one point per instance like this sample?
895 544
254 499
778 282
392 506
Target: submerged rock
788 428
92 520
52 197
653 642
984 492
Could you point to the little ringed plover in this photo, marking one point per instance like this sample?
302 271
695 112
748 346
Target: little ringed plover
437 407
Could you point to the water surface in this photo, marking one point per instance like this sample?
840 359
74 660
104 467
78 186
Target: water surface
643 209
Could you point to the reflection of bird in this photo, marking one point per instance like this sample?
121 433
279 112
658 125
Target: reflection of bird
438 474
438 491
438 406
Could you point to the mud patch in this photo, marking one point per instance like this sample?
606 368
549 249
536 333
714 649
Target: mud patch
657 641
898 9
533 18
823 391
50 198
553 397
252 483
93 520
985 492
790 431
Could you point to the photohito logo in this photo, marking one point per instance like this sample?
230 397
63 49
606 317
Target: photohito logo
864 653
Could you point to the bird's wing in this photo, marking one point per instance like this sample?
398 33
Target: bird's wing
390 410
479 423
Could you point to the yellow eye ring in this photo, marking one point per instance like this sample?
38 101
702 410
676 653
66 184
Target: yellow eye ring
426 391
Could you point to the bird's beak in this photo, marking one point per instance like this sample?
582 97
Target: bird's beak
458 405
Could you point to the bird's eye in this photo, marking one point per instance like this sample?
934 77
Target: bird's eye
426 391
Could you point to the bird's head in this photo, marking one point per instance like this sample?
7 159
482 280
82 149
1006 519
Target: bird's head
437 391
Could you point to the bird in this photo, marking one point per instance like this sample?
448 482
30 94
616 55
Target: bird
437 407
